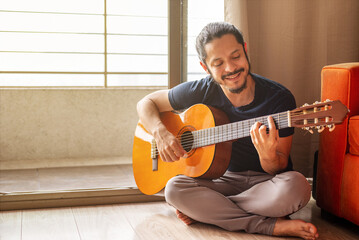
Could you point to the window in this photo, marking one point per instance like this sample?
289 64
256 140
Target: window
200 12
94 42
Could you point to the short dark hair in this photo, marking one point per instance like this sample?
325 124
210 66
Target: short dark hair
212 31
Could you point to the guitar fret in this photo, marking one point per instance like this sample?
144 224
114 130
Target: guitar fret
229 132
220 133
200 138
239 135
206 136
195 137
225 132
236 130
215 133
278 121
203 138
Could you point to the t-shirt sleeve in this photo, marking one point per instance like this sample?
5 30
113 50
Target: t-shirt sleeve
188 94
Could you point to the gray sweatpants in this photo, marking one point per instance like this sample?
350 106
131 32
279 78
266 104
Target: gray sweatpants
249 201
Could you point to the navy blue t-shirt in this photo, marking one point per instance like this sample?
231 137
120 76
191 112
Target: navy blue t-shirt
270 97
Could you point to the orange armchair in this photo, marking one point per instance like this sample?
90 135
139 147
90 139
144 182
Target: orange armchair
337 176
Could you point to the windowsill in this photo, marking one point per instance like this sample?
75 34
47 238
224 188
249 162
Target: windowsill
69 186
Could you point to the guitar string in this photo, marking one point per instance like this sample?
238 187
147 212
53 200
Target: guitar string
208 137
224 135
229 133
280 121
232 133
189 141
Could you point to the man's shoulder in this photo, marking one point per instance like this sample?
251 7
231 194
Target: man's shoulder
189 93
206 81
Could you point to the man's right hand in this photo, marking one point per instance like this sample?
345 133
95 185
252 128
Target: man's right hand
149 109
169 147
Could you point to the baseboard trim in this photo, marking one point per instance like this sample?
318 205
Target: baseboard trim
79 197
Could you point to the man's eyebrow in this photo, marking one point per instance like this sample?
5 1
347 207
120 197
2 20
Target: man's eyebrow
216 59
237 50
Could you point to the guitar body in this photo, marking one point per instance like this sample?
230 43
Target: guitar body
205 162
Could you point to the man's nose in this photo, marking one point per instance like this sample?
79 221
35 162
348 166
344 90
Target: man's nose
230 67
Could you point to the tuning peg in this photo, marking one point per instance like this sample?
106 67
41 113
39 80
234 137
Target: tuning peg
305 104
327 100
316 102
320 129
308 129
331 127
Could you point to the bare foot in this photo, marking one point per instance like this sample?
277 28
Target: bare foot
295 228
187 220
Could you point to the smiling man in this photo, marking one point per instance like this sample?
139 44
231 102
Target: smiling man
260 189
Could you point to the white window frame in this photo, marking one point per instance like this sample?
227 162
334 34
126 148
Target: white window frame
174 25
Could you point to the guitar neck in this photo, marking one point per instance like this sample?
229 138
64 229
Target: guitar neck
235 130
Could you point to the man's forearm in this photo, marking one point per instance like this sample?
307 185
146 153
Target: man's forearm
149 115
275 165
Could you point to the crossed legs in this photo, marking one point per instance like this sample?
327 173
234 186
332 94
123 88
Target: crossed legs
250 201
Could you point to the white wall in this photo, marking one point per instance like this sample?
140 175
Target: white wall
52 124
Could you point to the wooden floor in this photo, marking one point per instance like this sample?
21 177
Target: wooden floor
136 221
141 221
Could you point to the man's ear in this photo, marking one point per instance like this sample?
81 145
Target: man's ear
204 66
245 47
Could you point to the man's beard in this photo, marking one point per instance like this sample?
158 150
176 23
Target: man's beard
235 90
242 87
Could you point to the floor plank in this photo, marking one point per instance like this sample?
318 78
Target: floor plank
153 220
10 225
44 224
102 222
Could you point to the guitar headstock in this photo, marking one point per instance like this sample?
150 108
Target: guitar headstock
319 115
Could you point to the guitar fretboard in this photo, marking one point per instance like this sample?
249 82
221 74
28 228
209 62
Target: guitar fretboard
236 130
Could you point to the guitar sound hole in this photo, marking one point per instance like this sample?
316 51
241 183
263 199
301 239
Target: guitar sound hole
187 141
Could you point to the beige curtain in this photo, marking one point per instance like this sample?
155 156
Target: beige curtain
289 41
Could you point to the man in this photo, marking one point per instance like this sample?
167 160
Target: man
259 190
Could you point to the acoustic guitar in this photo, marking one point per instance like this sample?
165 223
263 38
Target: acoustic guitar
207 136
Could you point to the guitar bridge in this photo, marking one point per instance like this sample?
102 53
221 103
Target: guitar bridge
154 154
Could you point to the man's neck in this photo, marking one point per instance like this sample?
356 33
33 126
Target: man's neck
243 98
